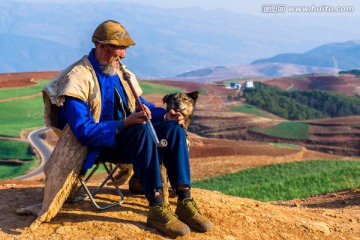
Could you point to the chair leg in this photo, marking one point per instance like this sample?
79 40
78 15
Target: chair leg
91 195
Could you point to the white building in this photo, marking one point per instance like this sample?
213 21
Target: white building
249 84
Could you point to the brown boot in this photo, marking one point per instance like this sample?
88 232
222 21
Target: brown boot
188 212
163 219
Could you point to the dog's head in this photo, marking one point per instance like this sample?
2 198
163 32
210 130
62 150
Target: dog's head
181 102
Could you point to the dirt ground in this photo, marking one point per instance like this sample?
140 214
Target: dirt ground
327 216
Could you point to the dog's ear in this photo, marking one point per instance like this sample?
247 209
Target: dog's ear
194 95
167 96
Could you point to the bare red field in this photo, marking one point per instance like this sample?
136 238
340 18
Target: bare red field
10 80
347 84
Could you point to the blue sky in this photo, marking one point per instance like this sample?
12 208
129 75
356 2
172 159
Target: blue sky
266 34
253 7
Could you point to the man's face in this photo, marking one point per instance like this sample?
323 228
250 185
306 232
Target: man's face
110 56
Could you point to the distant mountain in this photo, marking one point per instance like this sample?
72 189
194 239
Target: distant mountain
344 55
31 59
50 36
264 70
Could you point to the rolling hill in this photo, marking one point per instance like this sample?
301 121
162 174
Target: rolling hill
347 84
326 59
261 70
343 55
326 216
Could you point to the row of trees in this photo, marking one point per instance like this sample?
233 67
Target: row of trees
301 105
355 72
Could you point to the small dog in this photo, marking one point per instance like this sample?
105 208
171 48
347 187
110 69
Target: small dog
183 103
180 102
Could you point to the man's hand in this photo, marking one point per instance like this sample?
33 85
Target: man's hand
135 118
147 110
176 116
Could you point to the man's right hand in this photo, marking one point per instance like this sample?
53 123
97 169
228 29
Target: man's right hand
176 116
135 118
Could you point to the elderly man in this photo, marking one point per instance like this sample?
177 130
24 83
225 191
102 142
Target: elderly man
92 99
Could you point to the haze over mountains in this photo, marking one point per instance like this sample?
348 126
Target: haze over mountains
169 42
261 70
344 55
327 58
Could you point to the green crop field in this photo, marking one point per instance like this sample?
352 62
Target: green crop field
28 113
295 130
150 88
15 150
12 171
21 114
245 108
287 181
24 91
288 145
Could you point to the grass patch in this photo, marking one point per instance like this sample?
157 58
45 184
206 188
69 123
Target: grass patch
15 150
100 170
287 181
10 171
228 81
246 108
292 89
303 76
21 114
287 145
295 130
23 91
202 91
151 88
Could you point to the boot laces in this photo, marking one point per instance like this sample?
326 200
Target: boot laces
166 212
193 205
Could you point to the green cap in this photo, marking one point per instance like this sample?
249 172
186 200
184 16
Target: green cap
112 32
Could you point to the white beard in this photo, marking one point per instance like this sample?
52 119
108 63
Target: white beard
108 69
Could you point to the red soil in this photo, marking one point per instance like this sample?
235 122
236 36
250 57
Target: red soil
346 84
10 80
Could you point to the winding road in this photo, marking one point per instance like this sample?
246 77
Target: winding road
42 148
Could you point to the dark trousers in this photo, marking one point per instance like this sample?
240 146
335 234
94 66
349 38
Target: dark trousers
135 145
